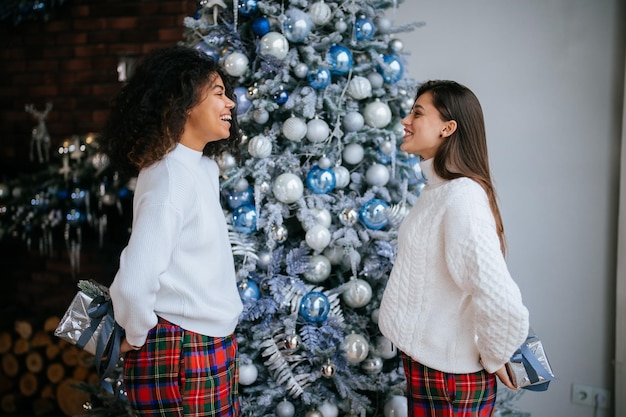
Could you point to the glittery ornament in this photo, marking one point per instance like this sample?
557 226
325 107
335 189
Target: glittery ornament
260 147
294 129
359 88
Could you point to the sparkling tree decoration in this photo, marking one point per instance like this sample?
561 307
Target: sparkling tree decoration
314 207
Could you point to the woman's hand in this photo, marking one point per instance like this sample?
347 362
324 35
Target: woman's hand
125 346
503 376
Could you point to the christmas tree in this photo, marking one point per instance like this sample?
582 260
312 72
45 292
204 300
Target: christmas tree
314 207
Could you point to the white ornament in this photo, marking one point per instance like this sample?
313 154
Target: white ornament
301 70
377 114
357 293
317 130
386 147
261 116
294 129
320 13
328 409
322 216
319 269
324 162
359 88
376 80
274 44
288 188
341 26
348 217
383 25
334 254
236 64
317 237
226 161
397 406
285 409
260 147
353 121
342 176
385 349
375 314
265 259
377 175
248 374
353 153
372 365
355 348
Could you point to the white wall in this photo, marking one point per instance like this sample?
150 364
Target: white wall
549 74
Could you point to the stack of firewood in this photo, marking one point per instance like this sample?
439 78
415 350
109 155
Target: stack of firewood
39 372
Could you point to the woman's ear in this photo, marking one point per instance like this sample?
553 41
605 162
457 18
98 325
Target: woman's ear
449 128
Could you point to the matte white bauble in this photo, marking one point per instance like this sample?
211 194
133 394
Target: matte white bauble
359 88
317 237
334 254
357 293
376 79
261 116
294 129
324 162
317 130
320 13
288 188
355 348
396 406
301 70
342 176
377 175
260 147
236 64
285 409
341 26
328 409
353 121
385 349
377 114
322 216
353 153
383 25
274 44
319 269
248 374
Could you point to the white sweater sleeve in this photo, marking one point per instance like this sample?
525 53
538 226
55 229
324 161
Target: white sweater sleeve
477 265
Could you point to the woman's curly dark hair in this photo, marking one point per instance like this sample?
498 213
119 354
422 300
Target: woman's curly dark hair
149 113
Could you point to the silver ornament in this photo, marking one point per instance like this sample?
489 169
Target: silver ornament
236 64
248 374
377 114
294 129
314 413
279 233
386 147
341 26
288 188
357 293
348 217
384 348
301 70
359 88
242 184
396 406
265 259
260 147
353 153
334 254
342 176
396 46
261 116
328 369
274 44
377 175
320 13
372 365
285 409
376 80
318 270
317 130
353 121
328 409
355 348
322 216
324 162
226 161
253 91
383 25
317 237
292 342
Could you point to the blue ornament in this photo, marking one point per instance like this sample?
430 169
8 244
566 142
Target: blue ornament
393 69
237 199
208 50
78 196
248 290
244 219
248 7
321 181
261 26
383 158
340 59
281 97
319 78
314 307
297 25
124 192
74 217
372 214
243 100
364 29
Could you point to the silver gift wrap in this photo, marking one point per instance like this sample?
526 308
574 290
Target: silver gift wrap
76 320
516 369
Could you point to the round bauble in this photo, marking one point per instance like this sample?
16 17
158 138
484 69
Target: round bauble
294 129
353 153
359 88
285 409
342 176
236 64
357 293
355 348
318 270
260 147
265 259
314 307
274 44
317 130
372 365
297 25
292 341
317 237
334 254
320 13
340 59
248 374
301 70
377 114
328 369
261 116
322 216
279 233
376 80
328 409
396 406
348 217
353 121
288 188
377 175
384 348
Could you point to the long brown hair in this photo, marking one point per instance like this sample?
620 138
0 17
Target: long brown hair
464 153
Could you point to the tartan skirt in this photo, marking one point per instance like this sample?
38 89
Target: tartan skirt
181 373
433 393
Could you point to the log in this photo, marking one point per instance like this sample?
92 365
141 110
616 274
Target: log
40 339
24 329
55 372
34 362
8 404
52 351
51 324
70 398
70 355
43 406
6 384
80 373
28 384
6 341
21 346
10 365
49 391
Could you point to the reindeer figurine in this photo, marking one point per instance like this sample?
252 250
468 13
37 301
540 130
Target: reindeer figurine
40 138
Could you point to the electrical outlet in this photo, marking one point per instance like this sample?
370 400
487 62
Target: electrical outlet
590 396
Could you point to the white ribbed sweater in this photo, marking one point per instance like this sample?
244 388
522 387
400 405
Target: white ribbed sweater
450 300
178 263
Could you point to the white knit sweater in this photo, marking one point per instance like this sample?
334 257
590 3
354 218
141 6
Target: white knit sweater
178 263
450 300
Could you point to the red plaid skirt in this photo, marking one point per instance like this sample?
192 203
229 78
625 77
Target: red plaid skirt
432 393
180 373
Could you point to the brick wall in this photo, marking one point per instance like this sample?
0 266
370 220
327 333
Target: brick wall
71 61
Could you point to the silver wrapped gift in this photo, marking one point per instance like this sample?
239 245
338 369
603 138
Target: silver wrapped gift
529 366
85 321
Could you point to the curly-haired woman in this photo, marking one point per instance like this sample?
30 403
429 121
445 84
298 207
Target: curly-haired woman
175 292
